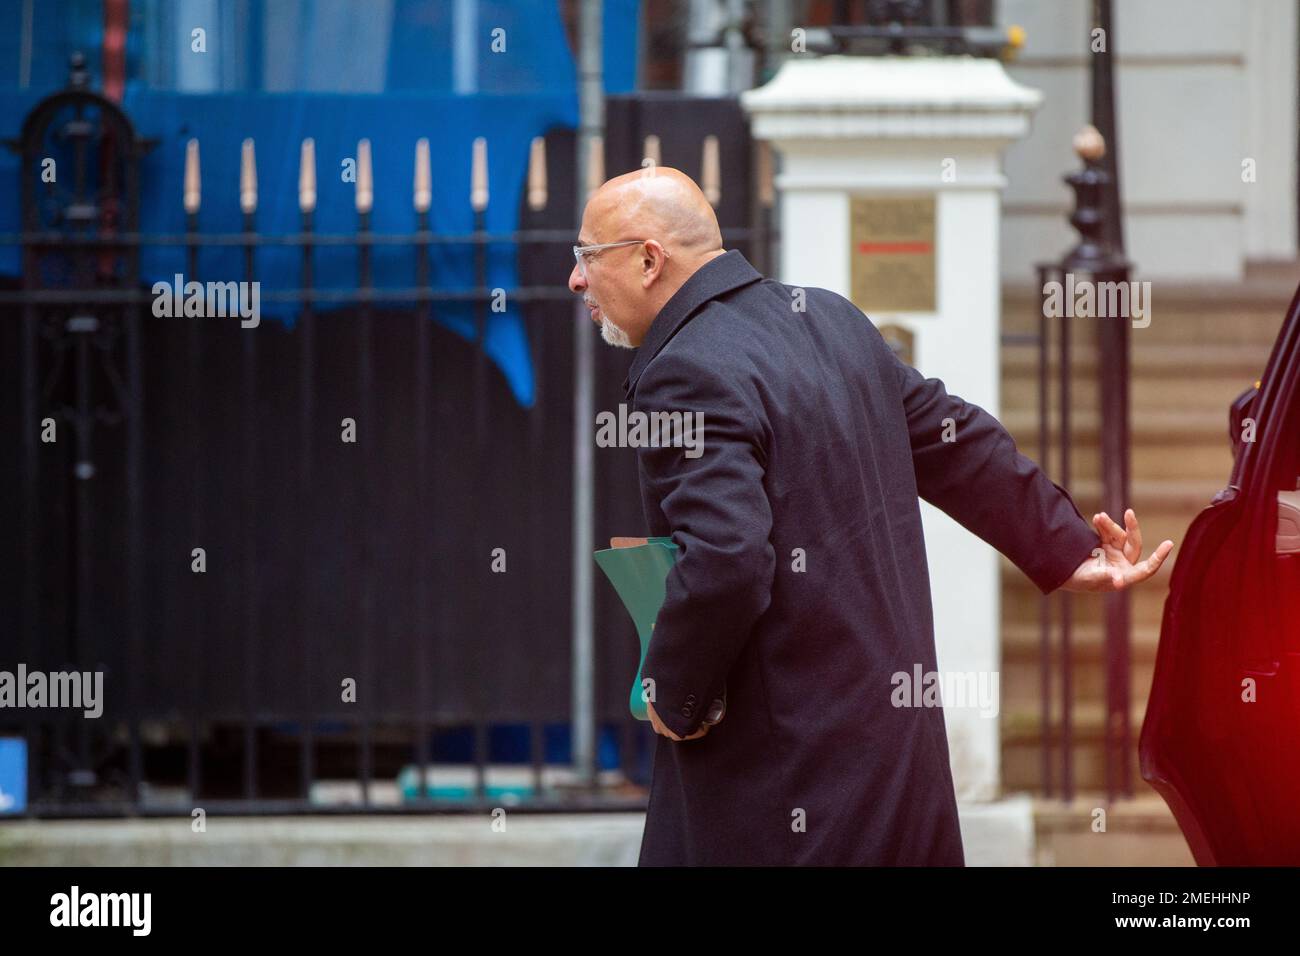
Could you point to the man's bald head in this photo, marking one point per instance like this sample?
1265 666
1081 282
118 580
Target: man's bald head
658 202
677 230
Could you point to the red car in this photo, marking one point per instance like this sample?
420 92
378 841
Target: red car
1221 739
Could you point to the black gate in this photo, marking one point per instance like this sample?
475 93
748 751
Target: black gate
286 620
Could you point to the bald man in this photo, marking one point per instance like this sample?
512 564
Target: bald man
801 585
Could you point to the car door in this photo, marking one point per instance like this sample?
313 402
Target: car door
1221 737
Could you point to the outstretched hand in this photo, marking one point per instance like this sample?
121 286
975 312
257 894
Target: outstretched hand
1119 566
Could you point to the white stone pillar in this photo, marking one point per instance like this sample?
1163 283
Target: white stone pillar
851 128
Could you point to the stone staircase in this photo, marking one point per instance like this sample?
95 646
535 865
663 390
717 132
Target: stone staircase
1203 346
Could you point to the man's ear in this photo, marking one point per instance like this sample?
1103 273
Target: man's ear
653 261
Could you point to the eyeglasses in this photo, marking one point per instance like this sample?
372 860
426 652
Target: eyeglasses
580 253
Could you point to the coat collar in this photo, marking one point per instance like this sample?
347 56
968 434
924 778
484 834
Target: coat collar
728 271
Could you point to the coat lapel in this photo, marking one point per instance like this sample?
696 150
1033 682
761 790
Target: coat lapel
716 277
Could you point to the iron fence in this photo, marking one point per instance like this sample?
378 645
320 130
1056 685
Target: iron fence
210 542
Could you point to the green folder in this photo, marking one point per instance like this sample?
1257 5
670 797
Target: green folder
639 574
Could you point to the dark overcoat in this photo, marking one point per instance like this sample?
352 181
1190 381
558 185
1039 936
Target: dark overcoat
801 584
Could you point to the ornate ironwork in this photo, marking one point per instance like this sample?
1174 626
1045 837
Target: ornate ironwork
78 178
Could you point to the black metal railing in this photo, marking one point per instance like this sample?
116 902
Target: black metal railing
223 685
902 27
1098 260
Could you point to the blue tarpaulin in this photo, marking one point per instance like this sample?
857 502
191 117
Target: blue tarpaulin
447 70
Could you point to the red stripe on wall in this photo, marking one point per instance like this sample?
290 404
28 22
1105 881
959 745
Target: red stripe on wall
867 248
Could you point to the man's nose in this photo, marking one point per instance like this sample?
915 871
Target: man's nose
577 283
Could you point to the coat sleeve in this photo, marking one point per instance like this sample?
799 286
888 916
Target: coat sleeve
716 506
980 479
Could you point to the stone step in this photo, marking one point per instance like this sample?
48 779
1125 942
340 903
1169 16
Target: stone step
1171 456
1163 360
1020 639
1140 831
1020 689
1247 331
1161 496
1211 320
1020 674
1208 426
1021 601
1021 745
1021 725
1203 347
1195 389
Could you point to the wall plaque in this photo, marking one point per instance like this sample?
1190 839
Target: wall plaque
892 253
